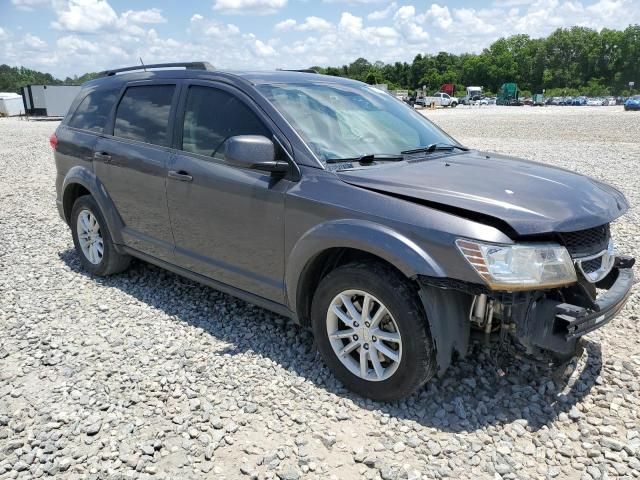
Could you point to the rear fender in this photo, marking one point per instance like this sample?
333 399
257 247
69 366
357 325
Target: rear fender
85 177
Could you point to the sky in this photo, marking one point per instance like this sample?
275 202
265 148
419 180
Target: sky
72 37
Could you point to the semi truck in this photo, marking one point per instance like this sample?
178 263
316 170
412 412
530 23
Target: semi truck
474 95
509 94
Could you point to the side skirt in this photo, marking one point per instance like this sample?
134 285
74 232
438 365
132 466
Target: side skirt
222 287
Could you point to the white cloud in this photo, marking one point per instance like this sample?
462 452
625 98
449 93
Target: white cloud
85 16
264 50
439 16
384 13
249 7
91 35
153 15
288 24
350 22
29 5
32 42
310 23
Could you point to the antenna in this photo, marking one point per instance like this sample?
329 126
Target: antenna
142 63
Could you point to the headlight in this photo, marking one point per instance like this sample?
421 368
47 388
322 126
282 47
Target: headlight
520 267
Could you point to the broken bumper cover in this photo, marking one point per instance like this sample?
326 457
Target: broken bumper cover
557 326
579 321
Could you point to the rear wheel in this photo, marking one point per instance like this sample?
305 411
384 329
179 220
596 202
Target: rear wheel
372 332
92 239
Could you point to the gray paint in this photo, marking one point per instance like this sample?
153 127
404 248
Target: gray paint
254 235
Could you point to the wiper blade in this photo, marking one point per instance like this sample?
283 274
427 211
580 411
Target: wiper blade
435 147
368 158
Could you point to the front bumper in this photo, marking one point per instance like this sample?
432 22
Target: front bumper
554 325
578 321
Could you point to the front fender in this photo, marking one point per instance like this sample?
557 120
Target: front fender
367 236
80 175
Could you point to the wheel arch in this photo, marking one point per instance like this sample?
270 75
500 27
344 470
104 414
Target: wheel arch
335 243
81 181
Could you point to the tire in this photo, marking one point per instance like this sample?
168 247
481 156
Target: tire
108 261
415 355
454 105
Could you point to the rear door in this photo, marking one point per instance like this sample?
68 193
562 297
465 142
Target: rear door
132 165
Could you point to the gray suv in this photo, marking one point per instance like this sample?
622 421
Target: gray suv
333 203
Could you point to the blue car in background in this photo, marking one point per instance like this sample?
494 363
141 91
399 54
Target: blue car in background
632 103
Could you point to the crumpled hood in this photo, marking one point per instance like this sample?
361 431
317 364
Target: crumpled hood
530 197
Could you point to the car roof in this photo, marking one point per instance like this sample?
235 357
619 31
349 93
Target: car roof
251 77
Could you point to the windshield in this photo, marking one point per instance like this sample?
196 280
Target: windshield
347 121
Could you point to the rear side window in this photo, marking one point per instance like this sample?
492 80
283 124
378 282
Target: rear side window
212 116
93 111
143 114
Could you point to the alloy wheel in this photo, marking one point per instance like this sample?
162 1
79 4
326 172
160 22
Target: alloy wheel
364 336
89 236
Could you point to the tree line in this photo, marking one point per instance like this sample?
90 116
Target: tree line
13 78
574 61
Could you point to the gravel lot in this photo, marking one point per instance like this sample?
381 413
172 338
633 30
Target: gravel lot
148 375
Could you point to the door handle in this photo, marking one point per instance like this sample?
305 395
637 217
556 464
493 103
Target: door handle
104 156
180 175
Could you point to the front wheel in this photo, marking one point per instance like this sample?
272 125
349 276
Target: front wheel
371 331
454 105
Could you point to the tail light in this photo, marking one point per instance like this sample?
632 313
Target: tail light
53 141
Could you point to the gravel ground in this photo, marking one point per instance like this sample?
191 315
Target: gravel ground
148 375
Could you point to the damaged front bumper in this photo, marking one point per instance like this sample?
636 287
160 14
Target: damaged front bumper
552 320
548 321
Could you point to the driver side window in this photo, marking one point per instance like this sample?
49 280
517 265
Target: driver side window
212 116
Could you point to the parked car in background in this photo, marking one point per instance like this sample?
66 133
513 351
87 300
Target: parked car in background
632 103
579 101
557 101
328 201
439 99
595 102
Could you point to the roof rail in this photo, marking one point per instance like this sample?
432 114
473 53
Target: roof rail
186 65
301 70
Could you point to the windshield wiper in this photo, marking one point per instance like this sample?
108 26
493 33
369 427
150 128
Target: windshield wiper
368 158
435 147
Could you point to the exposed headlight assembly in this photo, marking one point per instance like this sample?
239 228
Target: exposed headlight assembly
520 266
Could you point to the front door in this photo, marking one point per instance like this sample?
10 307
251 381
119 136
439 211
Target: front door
228 222
132 166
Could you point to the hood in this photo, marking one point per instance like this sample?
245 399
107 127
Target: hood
531 198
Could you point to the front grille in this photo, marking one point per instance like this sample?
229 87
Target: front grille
584 243
591 266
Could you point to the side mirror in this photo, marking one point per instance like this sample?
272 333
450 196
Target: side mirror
254 152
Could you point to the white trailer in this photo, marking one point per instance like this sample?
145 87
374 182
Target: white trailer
49 100
10 104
